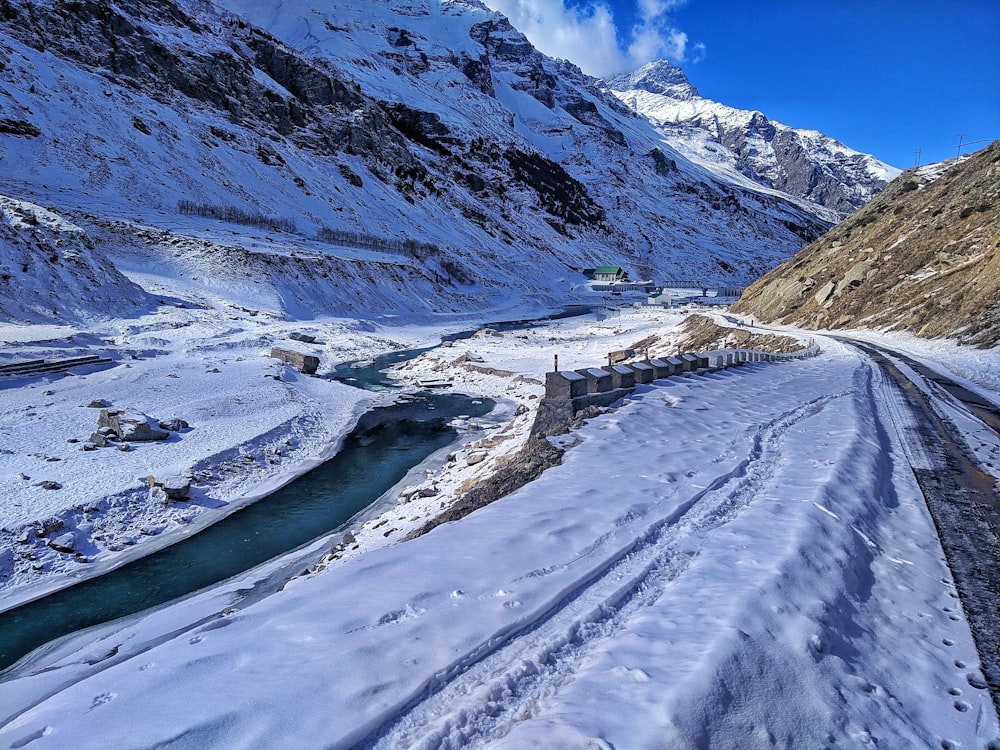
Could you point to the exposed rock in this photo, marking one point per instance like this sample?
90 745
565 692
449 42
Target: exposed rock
701 333
99 403
132 425
513 473
825 292
177 488
304 363
19 127
922 256
64 542
174 424
48 484
50 526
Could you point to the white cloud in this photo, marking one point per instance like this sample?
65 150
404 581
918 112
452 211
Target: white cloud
589 37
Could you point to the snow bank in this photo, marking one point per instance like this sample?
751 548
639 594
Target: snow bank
737 559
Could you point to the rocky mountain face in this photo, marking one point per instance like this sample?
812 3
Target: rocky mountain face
389 155
923 256
804 163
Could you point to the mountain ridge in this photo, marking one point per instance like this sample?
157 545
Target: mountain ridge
805 163
429 123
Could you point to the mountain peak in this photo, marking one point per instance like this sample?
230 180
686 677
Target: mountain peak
657 77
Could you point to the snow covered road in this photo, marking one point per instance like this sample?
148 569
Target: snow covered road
739 560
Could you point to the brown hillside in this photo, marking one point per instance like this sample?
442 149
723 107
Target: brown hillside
922 256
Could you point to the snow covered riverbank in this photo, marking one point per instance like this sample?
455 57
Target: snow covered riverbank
255 424
741 559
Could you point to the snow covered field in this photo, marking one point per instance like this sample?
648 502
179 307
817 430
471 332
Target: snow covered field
737 560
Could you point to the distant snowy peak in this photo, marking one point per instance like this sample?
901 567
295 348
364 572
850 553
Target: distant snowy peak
803 163
657 77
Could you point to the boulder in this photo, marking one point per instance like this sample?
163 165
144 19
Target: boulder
304 363
131 424
177 488
174 424
63 542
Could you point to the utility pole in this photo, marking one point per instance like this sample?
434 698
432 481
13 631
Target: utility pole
916 158
961 137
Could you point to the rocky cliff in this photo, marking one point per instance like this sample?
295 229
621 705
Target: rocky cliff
923 256
405 155
805 163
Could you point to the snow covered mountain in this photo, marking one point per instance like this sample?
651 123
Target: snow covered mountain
805 163
385 155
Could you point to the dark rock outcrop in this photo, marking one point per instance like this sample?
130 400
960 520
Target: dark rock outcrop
132 425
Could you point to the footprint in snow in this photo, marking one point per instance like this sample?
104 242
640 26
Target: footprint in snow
100 700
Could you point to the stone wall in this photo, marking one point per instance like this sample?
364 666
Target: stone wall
569 392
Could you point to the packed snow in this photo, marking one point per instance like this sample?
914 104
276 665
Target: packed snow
736 559
739 559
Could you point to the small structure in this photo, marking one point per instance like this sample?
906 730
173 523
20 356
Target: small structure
598 380
620 356
565 384
610 273
660 297
644 372
622 376
661 368
304 363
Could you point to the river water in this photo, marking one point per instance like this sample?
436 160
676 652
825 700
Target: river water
385 445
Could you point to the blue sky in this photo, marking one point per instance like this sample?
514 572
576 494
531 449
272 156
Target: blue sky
883 76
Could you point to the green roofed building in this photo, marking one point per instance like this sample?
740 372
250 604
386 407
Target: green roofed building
610 273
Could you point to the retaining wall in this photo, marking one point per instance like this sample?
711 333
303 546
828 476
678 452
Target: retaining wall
570 391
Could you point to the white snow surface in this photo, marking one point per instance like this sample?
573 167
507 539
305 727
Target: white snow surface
736 560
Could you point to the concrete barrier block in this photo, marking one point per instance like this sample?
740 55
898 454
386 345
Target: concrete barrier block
661 368
622 376
676 365
644 373
564 384
598 380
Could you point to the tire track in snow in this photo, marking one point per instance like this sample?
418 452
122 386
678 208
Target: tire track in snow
502 682
962 500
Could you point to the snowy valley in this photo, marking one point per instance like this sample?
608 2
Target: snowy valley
737 557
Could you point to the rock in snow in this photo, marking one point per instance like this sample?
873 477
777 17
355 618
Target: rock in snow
63 542
132 425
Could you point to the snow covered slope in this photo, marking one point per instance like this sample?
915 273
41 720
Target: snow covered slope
431 133
805 163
